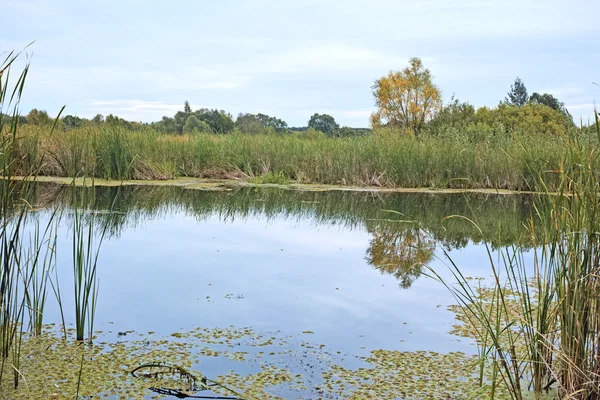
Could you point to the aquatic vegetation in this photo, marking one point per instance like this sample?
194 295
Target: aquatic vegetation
40 262
87 236
24 262
27 245
539 326
271 178
527 329
273 371
385 159
408 375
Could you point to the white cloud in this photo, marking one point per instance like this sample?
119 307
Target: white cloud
91 80
566 90
134 109
354 114
30 8
324 58
191 78
584 107
286 57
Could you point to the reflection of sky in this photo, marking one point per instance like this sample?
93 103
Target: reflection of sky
174 273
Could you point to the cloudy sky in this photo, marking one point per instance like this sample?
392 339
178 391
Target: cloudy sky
290 59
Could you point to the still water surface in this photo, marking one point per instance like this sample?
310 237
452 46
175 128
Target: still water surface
336 269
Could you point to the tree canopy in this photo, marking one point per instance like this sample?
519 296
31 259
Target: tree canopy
272 122
70 121
218 121
406 99
517 96
257 123
37 117
550 101
324 123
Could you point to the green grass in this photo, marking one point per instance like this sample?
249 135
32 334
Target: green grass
385 159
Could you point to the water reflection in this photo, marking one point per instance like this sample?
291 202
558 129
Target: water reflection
401 242
400 253
500 218
295 265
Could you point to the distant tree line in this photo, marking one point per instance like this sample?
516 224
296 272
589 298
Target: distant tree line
206 121
41 118
218 121
407 101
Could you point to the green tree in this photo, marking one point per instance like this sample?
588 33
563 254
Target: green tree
186 108
179 119
191 124
259 123
218 120
70 121
38 117
324 123
116 121
165 125
272 122
203 127
518 95
530 119
548 100
249 123
98 118
455 114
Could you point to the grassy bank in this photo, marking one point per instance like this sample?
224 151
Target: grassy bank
385 159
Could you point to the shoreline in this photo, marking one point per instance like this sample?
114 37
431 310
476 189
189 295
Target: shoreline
232 184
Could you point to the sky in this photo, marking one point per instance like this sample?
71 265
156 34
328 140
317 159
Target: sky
141 60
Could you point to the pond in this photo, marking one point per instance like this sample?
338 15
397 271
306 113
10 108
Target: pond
281 293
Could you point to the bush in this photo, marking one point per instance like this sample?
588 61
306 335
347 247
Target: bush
311 134
346 131
536 119
463 121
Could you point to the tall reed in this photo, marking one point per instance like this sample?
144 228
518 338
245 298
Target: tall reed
539 326
386 158
39 264
87 241
24 261
12 221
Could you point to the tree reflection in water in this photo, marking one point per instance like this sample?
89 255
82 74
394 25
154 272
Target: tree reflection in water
401 253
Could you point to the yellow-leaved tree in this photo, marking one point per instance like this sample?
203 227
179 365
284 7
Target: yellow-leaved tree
406 99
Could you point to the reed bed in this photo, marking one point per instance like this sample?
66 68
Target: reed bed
538 328
27 244
386 158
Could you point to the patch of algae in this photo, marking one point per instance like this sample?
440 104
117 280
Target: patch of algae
50 367
508 314
511 323
407 375
274 366
465 326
